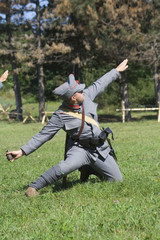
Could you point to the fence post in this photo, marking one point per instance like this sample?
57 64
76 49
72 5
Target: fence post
123 111
158 111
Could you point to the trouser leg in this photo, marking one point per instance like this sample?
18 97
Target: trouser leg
76 157
50 176
108 168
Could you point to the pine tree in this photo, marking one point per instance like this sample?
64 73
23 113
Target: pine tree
150 46
13 11
44 48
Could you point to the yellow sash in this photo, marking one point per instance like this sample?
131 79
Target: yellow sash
79 116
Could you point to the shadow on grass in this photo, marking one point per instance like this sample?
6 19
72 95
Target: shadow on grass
109 118
103 118
144 118
71 183
58 186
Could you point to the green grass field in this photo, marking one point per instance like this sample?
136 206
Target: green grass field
91 211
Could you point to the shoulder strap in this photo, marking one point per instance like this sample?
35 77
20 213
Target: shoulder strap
79 116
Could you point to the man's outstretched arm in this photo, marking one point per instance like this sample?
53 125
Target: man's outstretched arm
99 86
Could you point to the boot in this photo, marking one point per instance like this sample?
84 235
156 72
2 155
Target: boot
84 174
86 171
31 192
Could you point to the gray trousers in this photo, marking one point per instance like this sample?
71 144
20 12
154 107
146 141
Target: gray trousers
77 157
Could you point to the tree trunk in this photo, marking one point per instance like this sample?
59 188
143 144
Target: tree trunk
41 90
156 71
77 73
17 90
157 82
15 76
125 95
40 66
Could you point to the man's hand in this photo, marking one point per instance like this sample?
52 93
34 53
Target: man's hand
4 76
122 66
15 154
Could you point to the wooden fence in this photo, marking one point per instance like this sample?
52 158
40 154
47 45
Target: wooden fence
45 113
5 112
123 110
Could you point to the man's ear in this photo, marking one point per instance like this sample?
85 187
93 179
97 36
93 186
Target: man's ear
73 98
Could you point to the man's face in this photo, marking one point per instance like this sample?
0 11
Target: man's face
79 97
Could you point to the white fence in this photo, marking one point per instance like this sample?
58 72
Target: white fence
123 110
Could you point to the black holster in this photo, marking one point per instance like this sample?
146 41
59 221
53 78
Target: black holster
104 136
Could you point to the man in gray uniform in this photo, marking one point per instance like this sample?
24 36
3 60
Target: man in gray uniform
78 117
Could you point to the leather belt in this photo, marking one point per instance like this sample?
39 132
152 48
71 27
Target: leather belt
90 142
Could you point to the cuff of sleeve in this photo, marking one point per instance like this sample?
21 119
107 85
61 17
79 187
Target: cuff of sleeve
23 152
118 73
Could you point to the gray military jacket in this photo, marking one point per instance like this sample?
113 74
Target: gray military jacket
71 125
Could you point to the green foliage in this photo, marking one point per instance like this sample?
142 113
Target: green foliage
54 77
141 85
142 94
94 210
99 37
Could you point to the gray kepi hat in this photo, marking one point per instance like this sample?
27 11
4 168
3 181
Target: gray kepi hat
67 89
